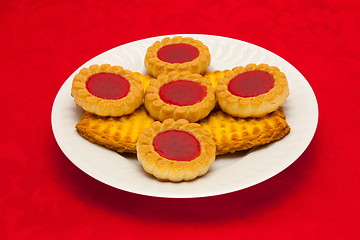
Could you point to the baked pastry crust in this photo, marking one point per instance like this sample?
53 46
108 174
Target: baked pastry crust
107 107
145 79
252 106
214 77
229 133
116 133
171 170
233 134
160 110
155 66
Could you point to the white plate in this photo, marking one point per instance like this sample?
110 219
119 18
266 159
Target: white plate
230 172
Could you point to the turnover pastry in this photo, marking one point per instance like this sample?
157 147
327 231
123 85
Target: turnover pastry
116 133
177 54
236 134
229 133
252 91
176 150
107 90
179 95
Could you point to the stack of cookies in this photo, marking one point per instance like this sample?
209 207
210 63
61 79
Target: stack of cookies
179 117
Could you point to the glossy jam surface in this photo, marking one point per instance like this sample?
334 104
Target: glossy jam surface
178 53
108 86
182 92
177 145
251 83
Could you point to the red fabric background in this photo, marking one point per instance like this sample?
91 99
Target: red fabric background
44 196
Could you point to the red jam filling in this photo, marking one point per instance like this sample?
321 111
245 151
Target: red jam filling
178 53
251 83
177 145
182 92
108 86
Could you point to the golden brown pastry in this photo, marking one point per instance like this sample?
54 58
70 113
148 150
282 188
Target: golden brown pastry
177 54
179 95
229 133
175 150
107 90
252 91
145 79
214 77
235 134
116 133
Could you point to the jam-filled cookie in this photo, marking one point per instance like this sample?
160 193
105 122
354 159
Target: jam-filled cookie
252 91
180 95
177 54
176 150
107 90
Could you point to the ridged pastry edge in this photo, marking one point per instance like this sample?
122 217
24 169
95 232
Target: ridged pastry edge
155 66
244 133
160 110
171 170
105 107
257 106
116 133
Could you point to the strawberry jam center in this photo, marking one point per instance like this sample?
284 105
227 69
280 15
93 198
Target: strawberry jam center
108 86
177 145
182 92
251 83
178 53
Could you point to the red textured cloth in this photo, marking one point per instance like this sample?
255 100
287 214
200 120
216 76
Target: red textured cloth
44 196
